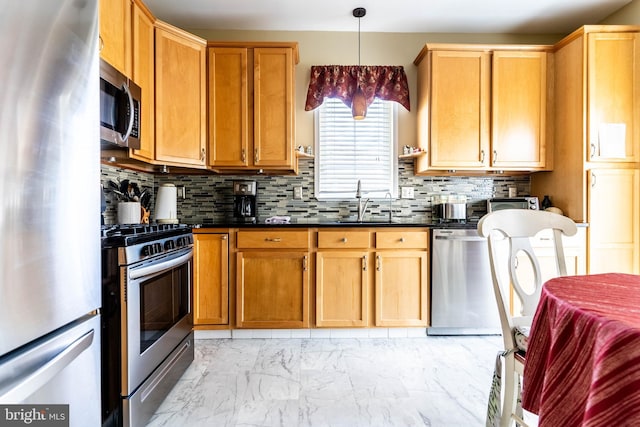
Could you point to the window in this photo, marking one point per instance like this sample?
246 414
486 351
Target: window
350 150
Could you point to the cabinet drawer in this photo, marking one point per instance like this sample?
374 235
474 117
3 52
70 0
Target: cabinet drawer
275 239
343 239
402 239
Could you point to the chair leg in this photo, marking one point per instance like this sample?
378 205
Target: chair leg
510 391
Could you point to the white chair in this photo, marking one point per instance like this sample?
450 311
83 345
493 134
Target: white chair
508 233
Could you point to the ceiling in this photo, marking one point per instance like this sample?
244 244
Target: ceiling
404 16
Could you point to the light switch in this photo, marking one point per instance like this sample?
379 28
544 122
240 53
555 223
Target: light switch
297 193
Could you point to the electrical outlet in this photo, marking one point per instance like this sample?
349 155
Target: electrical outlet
406 192
297 193
181 192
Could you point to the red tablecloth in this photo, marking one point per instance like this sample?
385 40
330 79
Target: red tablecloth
583 360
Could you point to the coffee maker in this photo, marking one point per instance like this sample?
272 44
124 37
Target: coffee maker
244 201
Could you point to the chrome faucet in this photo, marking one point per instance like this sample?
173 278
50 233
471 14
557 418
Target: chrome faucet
362 207
390 208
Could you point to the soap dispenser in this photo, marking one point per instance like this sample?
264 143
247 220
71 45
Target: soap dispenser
546 202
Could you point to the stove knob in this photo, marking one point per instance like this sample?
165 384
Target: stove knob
157 247
180 242
147 250
169 244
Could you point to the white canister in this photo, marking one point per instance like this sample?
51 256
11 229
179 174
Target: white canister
129 213
166 208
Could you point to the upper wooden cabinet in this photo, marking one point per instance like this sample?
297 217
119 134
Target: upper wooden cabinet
483 107
613 97
115 34
251 106
180 97
143 73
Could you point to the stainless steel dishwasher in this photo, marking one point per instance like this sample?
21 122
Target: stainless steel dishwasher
462 298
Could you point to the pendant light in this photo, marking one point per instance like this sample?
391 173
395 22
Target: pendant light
359 101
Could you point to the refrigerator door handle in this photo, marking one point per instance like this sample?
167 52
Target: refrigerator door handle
30 382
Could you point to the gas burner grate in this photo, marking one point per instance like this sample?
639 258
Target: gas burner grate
125 230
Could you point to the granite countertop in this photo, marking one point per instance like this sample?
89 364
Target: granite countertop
311 222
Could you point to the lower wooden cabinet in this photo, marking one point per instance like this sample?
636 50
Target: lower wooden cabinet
211 279
350 278
342 289
401 279
272 289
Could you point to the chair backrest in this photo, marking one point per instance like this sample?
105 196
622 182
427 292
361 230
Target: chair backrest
509 234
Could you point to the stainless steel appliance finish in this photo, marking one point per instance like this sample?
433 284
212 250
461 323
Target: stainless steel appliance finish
119 109
147 337
462 297
450 211
50 206
497 204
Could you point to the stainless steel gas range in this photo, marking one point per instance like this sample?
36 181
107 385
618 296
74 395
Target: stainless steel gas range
147 337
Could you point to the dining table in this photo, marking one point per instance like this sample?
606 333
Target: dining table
582 364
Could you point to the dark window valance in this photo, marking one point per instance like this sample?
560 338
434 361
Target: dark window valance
385 82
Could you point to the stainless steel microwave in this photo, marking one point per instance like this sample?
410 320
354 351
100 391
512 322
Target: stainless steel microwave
119 109
497 204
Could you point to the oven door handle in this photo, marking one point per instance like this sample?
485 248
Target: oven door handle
139 272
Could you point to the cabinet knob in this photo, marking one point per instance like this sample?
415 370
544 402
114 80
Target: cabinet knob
224 237
495 155
244 155
255 160
402 240
273 239
344 240
364 263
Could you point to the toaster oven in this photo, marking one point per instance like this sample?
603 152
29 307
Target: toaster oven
497 204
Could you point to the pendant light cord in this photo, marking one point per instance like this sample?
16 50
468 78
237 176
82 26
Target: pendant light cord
359 41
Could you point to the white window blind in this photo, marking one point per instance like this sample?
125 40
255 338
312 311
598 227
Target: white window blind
350 150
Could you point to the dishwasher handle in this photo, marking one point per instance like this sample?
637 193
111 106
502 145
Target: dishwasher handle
462 238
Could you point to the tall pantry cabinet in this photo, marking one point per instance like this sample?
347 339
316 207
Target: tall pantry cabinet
596 178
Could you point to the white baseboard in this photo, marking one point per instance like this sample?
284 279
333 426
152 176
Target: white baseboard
313 333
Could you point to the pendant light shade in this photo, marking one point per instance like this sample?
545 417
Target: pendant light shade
359 105
359 101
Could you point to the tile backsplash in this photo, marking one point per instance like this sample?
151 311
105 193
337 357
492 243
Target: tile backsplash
209 197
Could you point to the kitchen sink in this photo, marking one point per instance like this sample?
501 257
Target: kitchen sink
370 222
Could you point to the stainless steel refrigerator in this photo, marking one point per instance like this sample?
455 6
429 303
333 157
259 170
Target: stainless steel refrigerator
50 208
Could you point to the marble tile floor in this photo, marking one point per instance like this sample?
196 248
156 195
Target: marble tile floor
427 381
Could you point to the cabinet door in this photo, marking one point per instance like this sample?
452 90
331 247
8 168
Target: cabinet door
273 81
518 105
614 221
401 288
228 107
115 34
180 97
341 289
613 97
144 76
272 289
460 95
211 279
